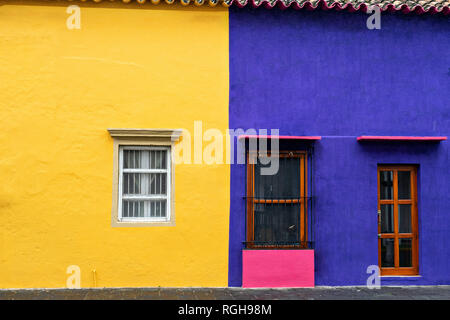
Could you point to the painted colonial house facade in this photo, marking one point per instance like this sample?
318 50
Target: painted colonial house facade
108 119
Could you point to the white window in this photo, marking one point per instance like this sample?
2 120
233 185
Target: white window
144 183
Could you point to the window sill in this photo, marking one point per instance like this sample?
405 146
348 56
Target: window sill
277 248
401 278
169 223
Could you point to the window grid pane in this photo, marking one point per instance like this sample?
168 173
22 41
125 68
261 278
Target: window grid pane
277 203
404 185
277 222
140 181
144 159
404 218
387 252
144 209
405 252
144 184
387 218
386 185
285 184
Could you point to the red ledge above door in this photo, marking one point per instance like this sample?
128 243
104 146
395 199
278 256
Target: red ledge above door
399 138
309 138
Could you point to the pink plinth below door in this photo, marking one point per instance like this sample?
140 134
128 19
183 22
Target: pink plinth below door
277 268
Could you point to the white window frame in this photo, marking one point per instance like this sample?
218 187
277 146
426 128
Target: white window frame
135 138
148 197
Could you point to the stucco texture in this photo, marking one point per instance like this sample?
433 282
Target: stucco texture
325 73
60 89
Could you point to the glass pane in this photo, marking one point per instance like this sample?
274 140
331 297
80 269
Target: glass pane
387 252
144 159
144 184
387 218
143 208
404 218
386 185
405 253
404 185
160 159
285 184
277 222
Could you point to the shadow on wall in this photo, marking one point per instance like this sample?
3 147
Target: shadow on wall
404 147
117 4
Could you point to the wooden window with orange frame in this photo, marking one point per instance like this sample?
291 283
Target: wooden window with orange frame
276 204
397 220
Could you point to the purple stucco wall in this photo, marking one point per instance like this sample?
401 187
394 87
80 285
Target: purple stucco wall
324 73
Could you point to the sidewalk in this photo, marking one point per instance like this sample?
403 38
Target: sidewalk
318 293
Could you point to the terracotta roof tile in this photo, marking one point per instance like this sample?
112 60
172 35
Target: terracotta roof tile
406 6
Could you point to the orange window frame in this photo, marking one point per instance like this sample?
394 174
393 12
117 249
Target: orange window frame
414 234
251 201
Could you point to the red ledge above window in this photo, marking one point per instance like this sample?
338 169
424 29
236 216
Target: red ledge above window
399 138
308 138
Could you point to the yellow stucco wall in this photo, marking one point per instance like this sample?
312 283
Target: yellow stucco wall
128 67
